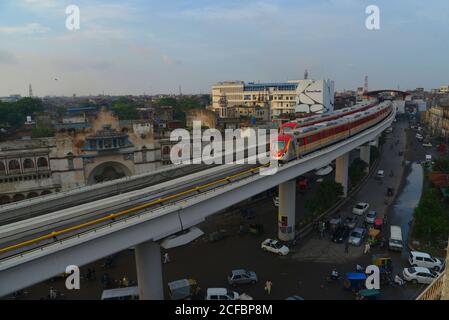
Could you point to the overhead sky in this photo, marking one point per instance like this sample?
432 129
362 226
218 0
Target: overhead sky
141 46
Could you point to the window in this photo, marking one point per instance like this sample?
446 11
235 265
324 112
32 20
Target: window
14 165
70 163
28 164
42 162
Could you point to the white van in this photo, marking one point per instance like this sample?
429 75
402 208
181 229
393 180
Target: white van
395 241
128 293
221 294
422 259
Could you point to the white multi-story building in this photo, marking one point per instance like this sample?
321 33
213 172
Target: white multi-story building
308 96
444 89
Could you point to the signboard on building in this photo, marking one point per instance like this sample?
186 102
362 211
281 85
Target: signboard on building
314 96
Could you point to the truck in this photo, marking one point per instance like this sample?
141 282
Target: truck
395 242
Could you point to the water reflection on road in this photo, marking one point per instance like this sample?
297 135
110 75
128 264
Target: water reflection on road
402 210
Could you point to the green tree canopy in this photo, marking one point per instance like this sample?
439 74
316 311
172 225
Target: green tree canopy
42 132
181 105
327 194
441 164
13 114
125 109
431 217
356 171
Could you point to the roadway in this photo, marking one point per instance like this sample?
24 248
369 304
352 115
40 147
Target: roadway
252 184
302 272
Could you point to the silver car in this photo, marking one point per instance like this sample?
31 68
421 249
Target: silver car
241 276
357 235
370 217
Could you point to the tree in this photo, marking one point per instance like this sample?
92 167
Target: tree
13 114
125 109
181 105
431 217
441 165
357 171
374 153
42 132
327 194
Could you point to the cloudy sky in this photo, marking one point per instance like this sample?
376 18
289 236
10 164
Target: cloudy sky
137 46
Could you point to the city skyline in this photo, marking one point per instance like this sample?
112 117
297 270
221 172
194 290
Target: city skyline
154 47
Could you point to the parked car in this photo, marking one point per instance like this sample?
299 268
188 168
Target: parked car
370 217
241 276
422 259
340 235
379 174
275 246
427 144
419 275
351 222
357 235
221 294
276 201
360 208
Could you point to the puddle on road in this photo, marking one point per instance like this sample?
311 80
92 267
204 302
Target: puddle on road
402 210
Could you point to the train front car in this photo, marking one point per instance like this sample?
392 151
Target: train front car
281 148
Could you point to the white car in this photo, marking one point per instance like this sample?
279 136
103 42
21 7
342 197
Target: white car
276 201
380 174
425 260
427 144
275 246
221 294
419 275
360 208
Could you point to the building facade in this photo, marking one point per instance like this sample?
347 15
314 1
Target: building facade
308 96
81 153
436 119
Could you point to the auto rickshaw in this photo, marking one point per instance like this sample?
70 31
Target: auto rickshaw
368 294
374 237
354 281
385 267
383 262
183 289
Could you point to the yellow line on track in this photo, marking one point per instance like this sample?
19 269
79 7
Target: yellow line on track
124 212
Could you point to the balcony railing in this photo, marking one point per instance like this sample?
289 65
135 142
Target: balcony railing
433 291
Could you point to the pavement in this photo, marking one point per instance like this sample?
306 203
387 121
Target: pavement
303 272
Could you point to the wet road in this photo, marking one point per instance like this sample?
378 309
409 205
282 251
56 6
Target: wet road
302 272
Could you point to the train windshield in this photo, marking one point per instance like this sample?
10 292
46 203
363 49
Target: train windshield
278 145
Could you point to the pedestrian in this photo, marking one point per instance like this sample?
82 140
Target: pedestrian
268 285
367 248
346 247
52 294
166 258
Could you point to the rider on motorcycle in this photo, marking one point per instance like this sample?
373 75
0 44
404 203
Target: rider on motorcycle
334 274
